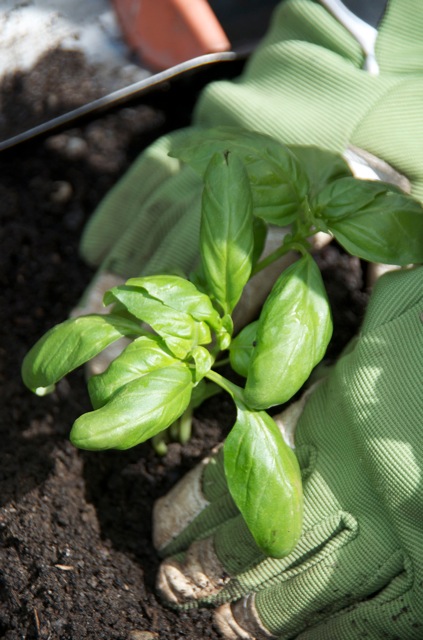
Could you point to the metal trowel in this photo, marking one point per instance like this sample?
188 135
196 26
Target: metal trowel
184 78
242 23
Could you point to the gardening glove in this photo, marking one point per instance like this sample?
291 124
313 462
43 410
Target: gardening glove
357 570
308 83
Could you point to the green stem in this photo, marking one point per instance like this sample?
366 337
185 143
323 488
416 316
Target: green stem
278 253
221 363
185 426
159 443
236 392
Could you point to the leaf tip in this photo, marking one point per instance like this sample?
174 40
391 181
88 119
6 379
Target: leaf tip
44 391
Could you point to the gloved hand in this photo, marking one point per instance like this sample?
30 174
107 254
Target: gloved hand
304 85
357 570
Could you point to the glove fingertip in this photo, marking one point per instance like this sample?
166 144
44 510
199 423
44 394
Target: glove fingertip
177 509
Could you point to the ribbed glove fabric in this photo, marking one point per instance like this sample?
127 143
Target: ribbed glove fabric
357 570
304 85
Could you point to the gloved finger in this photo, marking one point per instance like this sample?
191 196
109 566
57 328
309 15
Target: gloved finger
305 85
399 47
228 567
143 207
194 507
392 130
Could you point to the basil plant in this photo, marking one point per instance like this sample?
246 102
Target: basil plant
179 327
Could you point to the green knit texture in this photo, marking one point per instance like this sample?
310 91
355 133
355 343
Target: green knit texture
358 567
304 85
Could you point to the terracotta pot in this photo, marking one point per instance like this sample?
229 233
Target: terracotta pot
166 32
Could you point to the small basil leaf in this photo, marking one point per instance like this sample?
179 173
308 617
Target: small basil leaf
137 412
278 182
242 347
260 235
180 294
264 480
374 221
321 166
293 332
69 345
178 329
342 198
225 334
226 231
140 357
203 362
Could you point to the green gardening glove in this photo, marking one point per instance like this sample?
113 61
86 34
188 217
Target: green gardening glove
357 571
305 85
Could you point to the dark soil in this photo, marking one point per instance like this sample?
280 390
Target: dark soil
75 527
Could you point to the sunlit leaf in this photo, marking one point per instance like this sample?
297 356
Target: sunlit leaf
373 220
178 329
69 345
138 411
226 233
179 294
140 357
293 332
265 482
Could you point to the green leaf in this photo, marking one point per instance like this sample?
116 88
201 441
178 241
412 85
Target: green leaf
293 332
321 166
203 362
179 294
225 335
226 232
345 196
178 329
139 358
137 412
260 235
278 182
69 345
242 347
203 391
373 220
264 480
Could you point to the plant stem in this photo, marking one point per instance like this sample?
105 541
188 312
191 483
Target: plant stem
278 253
233 389
221 363
185 426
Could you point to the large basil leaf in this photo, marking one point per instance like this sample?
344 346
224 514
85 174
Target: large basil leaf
242 347
226 231
265 482
179 330
278 182
137 412
180 294
293 332
373 220
140 357
69 345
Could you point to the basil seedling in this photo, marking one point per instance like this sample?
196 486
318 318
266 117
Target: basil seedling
179 327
